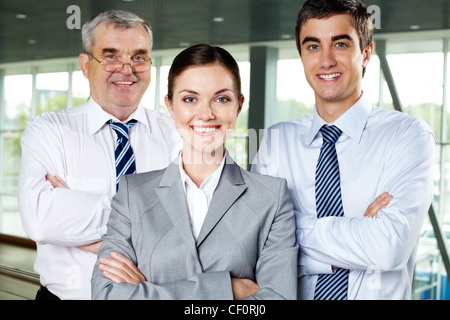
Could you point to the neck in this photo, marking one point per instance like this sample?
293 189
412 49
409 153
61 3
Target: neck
122 113
200 165
330 110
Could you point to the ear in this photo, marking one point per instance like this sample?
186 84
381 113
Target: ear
84 64
241 103
169 106
367 54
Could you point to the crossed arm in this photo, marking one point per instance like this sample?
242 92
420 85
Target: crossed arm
120 269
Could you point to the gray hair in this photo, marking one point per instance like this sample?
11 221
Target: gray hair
120 19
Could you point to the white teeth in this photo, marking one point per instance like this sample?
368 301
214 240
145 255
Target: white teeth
124 82
329 77
205 129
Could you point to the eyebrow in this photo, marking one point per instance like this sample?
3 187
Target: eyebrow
341 37
111 50
310 39
140 51
195 92
114 50
334 38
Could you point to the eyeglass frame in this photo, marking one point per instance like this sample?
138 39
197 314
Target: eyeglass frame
105 63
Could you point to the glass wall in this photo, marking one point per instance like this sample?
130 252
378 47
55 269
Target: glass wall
420 77
27 90
420 71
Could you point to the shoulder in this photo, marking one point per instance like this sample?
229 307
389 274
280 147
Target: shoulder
264 184
162 124
159 117
59 116
51 123
285 132
266 194
150 179
399 123
294 124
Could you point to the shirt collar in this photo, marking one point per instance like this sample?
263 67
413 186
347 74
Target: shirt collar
352 122
210 183
97 117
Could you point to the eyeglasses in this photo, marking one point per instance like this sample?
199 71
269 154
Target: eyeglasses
117 65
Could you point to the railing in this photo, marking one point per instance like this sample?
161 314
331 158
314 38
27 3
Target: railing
428 276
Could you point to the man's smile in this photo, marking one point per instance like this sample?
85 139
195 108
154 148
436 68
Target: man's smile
330 77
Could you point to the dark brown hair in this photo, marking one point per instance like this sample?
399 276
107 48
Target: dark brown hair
200 55
322 9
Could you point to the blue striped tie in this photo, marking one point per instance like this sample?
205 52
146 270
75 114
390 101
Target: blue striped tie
123 153
329 203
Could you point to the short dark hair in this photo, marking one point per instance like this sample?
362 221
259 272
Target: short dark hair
321 9
200 55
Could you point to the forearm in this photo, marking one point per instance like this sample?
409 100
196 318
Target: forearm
385 241
61 216
55 215
203 286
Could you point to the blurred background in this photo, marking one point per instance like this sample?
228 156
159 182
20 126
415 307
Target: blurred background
39 46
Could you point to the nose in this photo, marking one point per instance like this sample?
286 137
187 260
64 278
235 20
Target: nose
328 59
206 111
126 68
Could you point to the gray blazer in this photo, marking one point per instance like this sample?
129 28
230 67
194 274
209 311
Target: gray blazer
248 232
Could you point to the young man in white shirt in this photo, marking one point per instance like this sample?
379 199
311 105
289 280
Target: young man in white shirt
380 152
68 171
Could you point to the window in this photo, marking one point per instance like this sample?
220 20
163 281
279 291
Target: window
15 113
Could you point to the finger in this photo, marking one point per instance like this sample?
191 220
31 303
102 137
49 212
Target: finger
111 273
50 178
61 183
56 181
379 203
118 272
130 265
120 269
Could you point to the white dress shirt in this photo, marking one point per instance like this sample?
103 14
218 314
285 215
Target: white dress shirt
378 151
77 144
199 198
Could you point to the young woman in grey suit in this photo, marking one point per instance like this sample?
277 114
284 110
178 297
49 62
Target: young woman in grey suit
203 228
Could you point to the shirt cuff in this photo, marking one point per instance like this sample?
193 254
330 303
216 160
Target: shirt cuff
309 266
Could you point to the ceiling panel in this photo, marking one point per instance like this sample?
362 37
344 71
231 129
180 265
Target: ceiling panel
43 33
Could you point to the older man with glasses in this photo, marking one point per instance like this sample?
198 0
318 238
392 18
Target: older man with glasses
72 159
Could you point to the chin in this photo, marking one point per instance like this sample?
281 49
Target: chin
125 103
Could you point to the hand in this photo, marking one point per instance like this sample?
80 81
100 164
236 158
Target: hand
93 247
120 269
379 203
56 181
243 288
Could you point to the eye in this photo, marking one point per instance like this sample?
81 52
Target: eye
341 45
222 99
110 57
138 59
189 99
313 47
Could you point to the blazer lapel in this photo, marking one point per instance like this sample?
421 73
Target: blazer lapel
172 196
230 187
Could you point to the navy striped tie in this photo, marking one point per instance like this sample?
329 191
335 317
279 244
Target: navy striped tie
123 153
329 203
